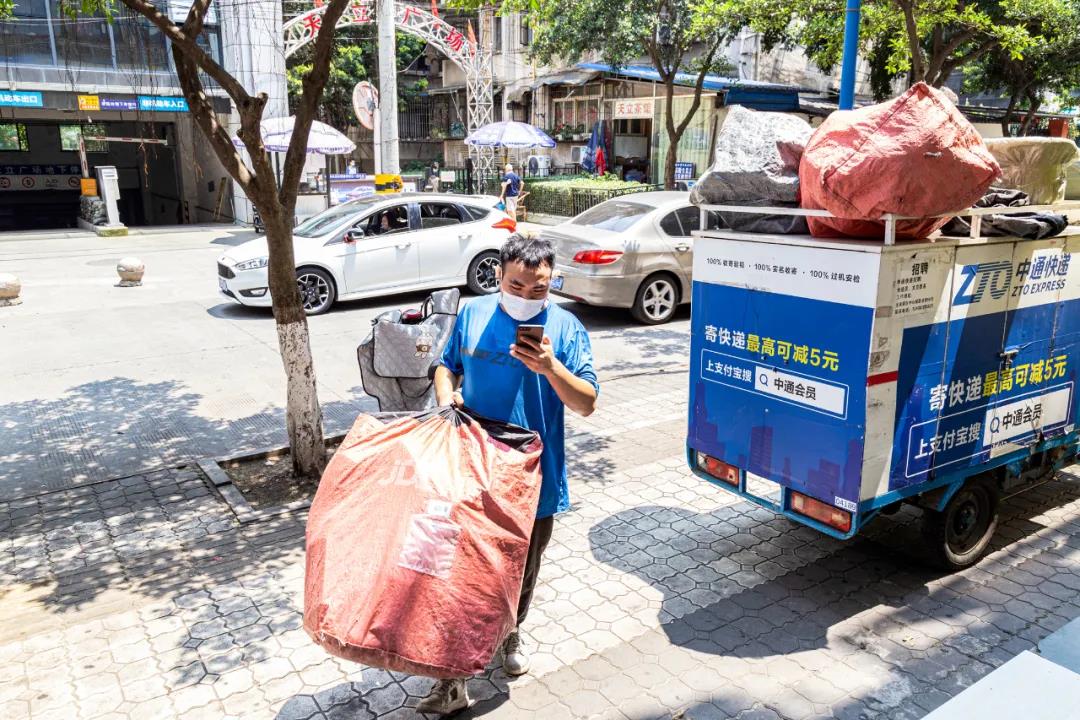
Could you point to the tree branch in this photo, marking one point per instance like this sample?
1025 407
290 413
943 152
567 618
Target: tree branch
187 42
914 46
196 17
314 83
942 54
202 110
948 67
706 65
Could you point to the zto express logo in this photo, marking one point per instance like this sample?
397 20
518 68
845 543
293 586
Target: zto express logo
1043 273
995 277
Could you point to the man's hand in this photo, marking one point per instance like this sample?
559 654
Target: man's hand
537 357
578 395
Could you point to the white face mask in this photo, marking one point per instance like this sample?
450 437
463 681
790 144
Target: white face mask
521 309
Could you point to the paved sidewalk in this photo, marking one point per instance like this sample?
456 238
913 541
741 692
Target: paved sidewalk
660 597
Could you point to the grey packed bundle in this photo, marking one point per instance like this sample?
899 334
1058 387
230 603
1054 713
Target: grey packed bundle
757 164
397 360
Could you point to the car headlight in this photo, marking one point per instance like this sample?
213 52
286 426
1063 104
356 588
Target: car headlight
253 264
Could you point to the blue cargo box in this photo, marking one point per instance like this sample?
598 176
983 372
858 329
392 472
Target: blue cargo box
831 379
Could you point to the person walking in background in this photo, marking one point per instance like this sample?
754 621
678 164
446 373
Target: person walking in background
486 368
512 185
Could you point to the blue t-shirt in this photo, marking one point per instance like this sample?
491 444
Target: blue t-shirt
500 387
514 187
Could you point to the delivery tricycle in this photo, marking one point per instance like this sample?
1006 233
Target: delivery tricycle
836 380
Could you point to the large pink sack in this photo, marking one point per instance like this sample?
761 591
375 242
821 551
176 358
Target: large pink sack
915 155
417 538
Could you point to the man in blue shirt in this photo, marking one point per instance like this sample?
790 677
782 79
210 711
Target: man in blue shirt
511 190
484 369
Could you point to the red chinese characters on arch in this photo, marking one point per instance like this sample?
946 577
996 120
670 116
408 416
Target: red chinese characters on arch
312 23
410 18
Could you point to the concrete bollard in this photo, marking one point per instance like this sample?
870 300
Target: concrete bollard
130 271
10 287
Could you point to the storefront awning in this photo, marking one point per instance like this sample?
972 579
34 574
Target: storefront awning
567 77
750 93
515 95
445 90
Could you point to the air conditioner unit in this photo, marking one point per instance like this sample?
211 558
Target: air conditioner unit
578 153
538 165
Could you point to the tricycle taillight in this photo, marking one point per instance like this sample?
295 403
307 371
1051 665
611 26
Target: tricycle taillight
719 469
825 513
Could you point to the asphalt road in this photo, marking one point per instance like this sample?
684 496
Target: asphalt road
101 381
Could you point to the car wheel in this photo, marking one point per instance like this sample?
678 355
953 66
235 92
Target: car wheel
656 301
317 292
482 278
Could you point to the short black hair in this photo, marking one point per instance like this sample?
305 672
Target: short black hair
532 252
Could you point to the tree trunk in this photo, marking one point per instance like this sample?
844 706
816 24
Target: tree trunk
1029 119
918 71
275 204
303 417
673 133
1013 99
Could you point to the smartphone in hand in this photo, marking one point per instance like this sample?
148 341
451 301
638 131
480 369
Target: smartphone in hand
533 333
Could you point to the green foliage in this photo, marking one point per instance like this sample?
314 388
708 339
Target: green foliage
676 36
1050 67
946 34
608 181
355 59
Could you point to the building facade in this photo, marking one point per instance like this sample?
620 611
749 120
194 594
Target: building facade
62 78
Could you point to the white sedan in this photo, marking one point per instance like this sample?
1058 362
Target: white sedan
379 245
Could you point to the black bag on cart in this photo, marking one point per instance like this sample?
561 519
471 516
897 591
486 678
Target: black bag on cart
397 360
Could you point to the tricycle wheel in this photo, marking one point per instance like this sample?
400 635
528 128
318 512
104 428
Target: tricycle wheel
959 535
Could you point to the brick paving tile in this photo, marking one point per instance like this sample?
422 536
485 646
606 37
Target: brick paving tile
659 595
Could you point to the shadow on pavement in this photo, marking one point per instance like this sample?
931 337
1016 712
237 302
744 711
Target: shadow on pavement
118 427
236 237
756 586
376 694
596 318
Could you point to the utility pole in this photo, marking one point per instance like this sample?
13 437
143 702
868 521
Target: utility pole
851 54
388 105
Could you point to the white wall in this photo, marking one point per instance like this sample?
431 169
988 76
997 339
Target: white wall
199 169
253 50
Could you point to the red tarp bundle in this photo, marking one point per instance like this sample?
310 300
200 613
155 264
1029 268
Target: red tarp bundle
916 156
417 538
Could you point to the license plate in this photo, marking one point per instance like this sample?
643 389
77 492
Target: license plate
221 284
556 283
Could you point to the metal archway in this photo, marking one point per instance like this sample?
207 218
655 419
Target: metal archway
473 58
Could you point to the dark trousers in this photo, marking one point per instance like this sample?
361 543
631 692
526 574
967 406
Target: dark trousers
541 534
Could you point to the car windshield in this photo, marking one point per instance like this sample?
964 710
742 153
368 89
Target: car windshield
319 224
613 215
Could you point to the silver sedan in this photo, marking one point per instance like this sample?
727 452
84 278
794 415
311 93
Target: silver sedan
634 251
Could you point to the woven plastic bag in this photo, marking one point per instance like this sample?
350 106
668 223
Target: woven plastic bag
756 163
916 155
417 539
1037 166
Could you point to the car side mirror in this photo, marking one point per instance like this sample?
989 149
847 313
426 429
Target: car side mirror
353 235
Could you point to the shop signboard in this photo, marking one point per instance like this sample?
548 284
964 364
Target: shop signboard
16 98
162 104
631 108
89 102
39 177
118 104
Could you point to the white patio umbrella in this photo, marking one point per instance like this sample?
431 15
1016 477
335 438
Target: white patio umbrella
509 134
322 140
